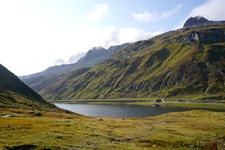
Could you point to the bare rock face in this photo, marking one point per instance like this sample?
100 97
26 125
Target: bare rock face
199 21
209 36
195 22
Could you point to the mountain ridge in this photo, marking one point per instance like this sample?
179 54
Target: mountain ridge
92 57
187 61
199 21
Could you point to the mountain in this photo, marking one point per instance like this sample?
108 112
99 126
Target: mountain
98 55
51 75
184 62
16 94
93 56
177 63
200 21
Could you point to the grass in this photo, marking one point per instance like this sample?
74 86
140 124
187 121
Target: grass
183 130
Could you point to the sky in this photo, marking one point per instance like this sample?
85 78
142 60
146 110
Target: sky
37 34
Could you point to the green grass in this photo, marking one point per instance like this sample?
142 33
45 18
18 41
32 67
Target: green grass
183 130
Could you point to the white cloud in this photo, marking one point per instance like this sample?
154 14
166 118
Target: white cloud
113 36
98 13
148 16
145 16
211 9
131 34
76 57
170 13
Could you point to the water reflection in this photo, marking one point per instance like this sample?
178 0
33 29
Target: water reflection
119 111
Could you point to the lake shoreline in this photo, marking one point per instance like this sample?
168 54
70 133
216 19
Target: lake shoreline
135 110
198 105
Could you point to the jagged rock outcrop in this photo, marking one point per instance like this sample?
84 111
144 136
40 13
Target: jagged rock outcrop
199 21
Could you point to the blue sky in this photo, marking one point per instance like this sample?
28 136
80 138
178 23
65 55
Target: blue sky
36 34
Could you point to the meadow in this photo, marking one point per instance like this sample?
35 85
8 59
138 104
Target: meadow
29 129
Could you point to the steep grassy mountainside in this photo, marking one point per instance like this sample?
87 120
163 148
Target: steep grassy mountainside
177 63
16 94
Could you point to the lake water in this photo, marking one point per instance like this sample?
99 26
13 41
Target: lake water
119 111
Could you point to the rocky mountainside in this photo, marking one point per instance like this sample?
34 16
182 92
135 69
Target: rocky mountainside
188 61
16 94
98 55
199 21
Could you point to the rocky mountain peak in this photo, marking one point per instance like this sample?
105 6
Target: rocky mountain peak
196 21
199 21
98 48
96 52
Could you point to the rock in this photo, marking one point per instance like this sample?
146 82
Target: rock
160 122
7 116
209 36
190 101
180 100
156 105
38 114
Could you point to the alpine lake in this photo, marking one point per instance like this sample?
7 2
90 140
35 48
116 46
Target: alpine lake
129 111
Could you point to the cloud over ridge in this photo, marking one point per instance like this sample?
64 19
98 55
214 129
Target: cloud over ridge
211 9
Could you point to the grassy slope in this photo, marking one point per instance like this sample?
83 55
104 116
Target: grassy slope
16 94
168 65
186 130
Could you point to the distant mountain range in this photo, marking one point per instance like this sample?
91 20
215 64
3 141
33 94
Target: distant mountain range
185 62
15 94
94 56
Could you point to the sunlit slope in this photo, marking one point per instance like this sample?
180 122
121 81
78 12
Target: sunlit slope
16 94
177 63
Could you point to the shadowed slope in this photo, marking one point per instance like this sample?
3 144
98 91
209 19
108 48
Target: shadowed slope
14 93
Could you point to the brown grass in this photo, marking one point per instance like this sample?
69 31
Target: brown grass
184 130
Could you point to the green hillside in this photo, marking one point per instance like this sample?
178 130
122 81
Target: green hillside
188 61
16 94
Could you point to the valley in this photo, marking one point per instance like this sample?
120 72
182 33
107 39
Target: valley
185 67
176 64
